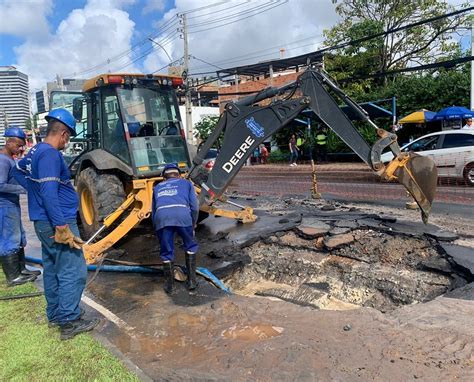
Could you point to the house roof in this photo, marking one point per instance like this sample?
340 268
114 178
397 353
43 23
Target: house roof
263 68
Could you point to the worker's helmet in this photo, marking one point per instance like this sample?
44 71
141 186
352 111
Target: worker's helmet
170 168
65 117
15 132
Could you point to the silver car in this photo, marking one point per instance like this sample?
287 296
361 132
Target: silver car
451 150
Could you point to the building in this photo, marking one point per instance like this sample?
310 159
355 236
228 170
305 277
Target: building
41 102
14 99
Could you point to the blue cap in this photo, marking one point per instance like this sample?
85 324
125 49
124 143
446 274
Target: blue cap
15 132
170 167
65 117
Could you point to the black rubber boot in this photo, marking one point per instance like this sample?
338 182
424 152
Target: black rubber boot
23 269
76 327
168 272
11 268
191 269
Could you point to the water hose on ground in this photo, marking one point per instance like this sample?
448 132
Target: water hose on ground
204 272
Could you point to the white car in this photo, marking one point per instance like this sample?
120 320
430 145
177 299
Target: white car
451 150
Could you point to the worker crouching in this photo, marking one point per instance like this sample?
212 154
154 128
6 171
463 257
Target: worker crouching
175 211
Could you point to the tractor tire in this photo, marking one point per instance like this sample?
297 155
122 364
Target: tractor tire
469 174
99 195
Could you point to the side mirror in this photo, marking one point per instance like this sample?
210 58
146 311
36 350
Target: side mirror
77 104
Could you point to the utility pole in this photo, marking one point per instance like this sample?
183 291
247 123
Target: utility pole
187 93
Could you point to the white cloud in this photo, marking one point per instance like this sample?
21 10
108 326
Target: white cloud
227 46
153 5
25 18
87 37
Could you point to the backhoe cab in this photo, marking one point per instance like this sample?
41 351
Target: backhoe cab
131 129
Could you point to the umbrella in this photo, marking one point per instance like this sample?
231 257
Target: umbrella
453 112
420 116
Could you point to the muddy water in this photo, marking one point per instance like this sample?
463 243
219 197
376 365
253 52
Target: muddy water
310 315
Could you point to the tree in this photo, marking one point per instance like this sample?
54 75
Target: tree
421 44
205 127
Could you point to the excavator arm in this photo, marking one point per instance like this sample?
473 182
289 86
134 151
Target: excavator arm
245 126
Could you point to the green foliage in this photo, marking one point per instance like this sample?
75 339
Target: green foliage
278 156
423 43
205 126
30 351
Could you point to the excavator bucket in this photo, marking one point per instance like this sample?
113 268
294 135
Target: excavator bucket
419 176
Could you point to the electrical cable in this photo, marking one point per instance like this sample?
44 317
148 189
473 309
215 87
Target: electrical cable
234 21
234 15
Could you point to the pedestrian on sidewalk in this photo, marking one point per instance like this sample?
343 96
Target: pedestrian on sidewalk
52 206
293 150
263 154
321 146
12 234
175 210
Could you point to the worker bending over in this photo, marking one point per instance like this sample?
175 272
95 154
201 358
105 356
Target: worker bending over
12 235
175 210
52 205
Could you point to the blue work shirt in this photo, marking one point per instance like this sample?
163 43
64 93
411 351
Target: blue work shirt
46 177
174 204
10 190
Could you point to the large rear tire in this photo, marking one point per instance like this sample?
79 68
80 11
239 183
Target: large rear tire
99 195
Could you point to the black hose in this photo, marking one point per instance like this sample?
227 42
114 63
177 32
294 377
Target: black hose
22 295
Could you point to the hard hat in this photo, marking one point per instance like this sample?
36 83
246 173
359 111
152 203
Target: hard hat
65 117
15 132
170 167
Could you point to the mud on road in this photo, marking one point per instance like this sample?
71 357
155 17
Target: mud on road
322 291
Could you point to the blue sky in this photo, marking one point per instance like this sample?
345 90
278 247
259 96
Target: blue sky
81 38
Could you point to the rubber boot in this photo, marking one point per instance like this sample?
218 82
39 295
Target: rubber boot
23 269
168 272
191 269
11 268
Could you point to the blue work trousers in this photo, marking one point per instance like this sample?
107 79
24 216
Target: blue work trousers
293 156
64 276
166 237
12 235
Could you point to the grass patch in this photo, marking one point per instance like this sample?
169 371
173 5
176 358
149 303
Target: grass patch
30 351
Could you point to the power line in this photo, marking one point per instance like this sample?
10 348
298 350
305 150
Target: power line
240 19
234 15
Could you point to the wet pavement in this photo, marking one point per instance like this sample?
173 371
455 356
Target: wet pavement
310 328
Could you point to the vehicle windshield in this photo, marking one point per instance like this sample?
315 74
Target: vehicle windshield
152 120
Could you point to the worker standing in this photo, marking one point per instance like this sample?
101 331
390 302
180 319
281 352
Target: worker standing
175 211
52 204
12 235
321 146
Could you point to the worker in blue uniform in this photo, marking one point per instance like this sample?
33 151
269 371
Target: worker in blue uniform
12 235
175 211
52 206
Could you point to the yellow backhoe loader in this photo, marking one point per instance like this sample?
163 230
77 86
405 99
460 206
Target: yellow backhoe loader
133 128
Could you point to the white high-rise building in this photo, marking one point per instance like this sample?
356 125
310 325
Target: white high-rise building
14 99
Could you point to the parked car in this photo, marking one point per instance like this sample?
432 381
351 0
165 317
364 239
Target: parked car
210 159
451 150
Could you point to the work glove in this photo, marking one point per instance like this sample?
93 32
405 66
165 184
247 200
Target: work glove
64 235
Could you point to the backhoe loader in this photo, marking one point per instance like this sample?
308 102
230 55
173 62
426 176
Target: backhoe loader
134 129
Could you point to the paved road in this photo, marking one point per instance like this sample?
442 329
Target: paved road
353 182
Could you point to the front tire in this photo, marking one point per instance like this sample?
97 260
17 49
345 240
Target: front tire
99 195
469 174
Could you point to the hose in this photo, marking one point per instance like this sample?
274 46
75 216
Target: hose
204 272
21 295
